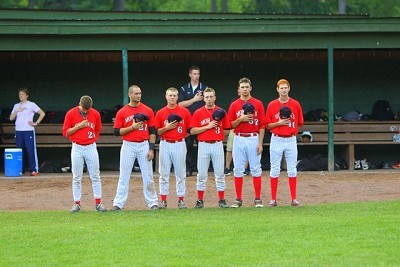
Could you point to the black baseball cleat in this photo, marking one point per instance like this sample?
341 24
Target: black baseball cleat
100 207
115 208
295 203
222 204
273 203
75 208
154 207
199 204
181 205
237 204
163 205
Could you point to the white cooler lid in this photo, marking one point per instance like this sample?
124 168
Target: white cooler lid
12 150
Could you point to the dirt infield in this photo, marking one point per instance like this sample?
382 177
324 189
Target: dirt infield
53 191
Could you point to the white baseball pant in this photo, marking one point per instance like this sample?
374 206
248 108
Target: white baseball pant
80 155
245 148
130 151
283 146
172 154
213 152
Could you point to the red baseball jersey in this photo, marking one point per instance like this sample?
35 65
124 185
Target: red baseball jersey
296 119
87 135
258 122
180 131
124 118
202 117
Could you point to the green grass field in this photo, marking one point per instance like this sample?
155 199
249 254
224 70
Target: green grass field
354 234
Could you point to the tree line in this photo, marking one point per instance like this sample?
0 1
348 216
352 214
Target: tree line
375 8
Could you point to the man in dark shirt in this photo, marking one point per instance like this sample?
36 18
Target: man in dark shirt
191 97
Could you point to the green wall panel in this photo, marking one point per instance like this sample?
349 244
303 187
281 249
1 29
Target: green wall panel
58 86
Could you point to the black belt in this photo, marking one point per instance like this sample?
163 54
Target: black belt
283 136
246 134
172 141
210 141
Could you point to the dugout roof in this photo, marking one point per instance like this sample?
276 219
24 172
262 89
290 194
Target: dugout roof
36 30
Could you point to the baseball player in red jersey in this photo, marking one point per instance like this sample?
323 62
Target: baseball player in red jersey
172 124
135 124
283 139
82 125
247 117
209 123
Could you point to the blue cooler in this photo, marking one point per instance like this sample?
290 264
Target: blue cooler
13 162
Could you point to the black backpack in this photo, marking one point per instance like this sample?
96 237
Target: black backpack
382 111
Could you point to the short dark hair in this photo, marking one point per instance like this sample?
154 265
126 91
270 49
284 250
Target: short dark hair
193 68
244 80
86 102
209 89
23 89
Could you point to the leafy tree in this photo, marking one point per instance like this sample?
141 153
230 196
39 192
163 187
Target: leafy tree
377 8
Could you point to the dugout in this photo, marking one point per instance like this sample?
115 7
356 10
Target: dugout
61 55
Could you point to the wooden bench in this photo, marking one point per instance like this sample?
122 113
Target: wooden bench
352 135
348 135
49 135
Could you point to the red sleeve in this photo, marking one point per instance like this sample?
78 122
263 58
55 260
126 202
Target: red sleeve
194 122
261 115
159 118
67 122
300 118
226 125
119 119
270 113
233 108
98 126
152 120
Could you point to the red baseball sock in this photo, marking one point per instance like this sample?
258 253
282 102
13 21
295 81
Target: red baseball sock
257 187
163 197
180 198
97 200
238 187
78 202
293 186
221 195
200 194
274 187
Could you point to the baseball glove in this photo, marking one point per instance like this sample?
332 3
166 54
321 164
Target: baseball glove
285 112
248 108
218 114
174 117
140 117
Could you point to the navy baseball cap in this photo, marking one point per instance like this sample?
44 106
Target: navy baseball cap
174 117
218 114
140 117
248 108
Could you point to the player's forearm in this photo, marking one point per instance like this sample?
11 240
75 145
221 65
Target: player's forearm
235 123
198 130
72 130
161 131
13 115
126 130
186 103
152 138
41 116
273 125
261 134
